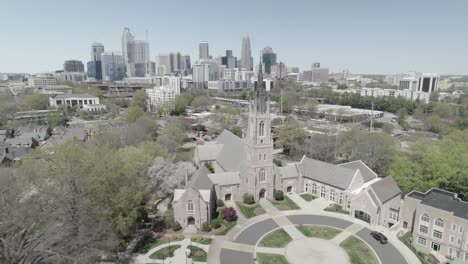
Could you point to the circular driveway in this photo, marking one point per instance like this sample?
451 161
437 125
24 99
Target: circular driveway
387 253
315 251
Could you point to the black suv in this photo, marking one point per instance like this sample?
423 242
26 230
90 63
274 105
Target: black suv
379 237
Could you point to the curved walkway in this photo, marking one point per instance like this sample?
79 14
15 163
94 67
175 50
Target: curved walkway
239 246
180 255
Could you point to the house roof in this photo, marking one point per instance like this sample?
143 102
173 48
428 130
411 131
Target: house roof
67 96
385 189
200 180
327 173
225 178
232 156
178 193
443 200
289 171
366 172
209 151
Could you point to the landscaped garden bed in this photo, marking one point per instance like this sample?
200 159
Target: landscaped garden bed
336 208
250 210
164 253
263 258
197 254
308 197
286 204
358 251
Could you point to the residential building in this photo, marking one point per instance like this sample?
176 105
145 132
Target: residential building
229 85
172 83
185 64
407 94
278 71
201 73
75 100
439 222
229 60
246 54
268 58
73 66
175 61
231 74
113 67
203 50
307 76
161 98
41 80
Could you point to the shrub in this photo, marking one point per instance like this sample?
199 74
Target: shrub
206 227
196 238
215 224
230 214
178 237
248 198
219 203
278 162
176 226
279 195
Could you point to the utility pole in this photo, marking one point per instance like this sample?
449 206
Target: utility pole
372 118
281 102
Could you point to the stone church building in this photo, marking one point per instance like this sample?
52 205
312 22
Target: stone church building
231 166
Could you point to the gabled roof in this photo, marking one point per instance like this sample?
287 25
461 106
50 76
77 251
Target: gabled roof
385 189
289 171
208 151
366 172
232 156
200 180
327 173
443 200
224 178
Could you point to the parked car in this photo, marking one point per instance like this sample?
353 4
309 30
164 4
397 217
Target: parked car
379 237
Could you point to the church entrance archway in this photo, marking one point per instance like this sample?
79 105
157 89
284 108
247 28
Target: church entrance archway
289 189
227 197
261 194
190 220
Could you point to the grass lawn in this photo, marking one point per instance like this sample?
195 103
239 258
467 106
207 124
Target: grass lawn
164 253
184 154
286 204
263 258
197 254
336 208
308 197
228 226
323 232
250 211
358 251
276 239
151 243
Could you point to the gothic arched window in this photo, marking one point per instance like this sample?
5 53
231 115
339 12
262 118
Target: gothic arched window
190 206
261 131
261 175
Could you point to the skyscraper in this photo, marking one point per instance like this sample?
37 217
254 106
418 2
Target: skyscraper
140 57
246 54
229 60
113 67
204 52
269 58
95 65
97 48
127 40
73 66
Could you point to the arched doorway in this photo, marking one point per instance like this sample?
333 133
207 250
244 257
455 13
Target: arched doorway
190 220
363 216
227 197
261 194
289 189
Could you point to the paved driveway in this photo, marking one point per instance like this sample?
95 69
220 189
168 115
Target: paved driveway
252 234
229 256
318 220
387 253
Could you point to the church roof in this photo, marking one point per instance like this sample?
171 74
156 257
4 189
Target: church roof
200 180
225 178
366 172
208 151
327 173
232 156
385 189
289 171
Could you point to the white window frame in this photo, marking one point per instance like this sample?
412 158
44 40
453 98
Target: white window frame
420 239
439 222
323 191
262 175
436 236
421 227
190 206
425 216
332 195
314 188
340 201
393 215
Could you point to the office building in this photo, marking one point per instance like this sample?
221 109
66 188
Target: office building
185 64
113 67
86 102
70 76
307 76
246 54
230 86
127 39
269 58
421 82
41 80
163 64
319 75
204 52
140 58
201 73
54 89
175 61
95 65
73 66
97 48
171 82
278 71
229 60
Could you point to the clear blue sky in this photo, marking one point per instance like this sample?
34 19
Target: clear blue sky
364 36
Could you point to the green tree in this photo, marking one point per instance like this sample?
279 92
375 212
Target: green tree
140 99
35 101
133 114
291 135
181 102
201 102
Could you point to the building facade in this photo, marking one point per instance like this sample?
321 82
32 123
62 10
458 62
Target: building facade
113 67
73 100
268 58
161 98
73 66
246 54
203 50
41 80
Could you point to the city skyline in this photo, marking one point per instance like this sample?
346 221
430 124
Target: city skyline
362 36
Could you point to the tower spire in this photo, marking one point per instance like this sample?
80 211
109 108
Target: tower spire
260 93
